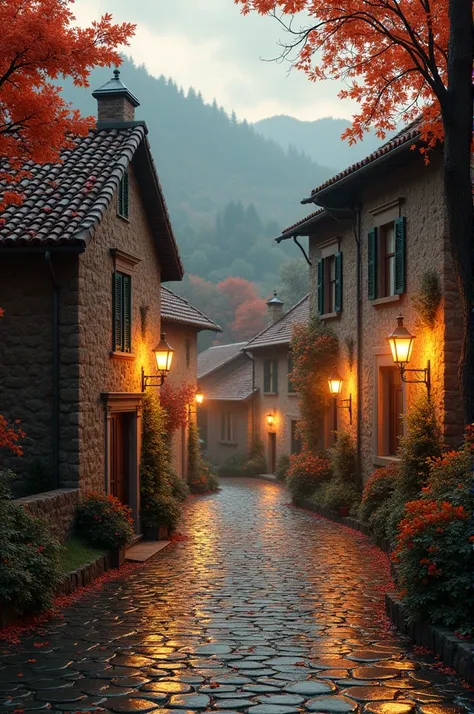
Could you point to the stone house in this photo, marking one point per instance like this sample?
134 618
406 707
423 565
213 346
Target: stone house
181 322
277 410
226 416
379 229
81 264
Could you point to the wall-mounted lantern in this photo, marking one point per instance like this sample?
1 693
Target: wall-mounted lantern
163 356
335 388
401 345
199 397
270 420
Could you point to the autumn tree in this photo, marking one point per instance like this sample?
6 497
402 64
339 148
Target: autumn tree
39 42
249 319
400 60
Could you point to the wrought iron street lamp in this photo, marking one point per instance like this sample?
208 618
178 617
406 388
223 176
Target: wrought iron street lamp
163 356
335 387
401 346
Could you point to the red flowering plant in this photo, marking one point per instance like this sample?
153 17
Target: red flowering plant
175 402
306 473
103 521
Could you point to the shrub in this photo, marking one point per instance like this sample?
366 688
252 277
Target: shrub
30 568
102 521
336 493
179 488
161 509
283 464
233 466
212 477
343 457
434 563
377 491
428 298
255 463
201 475
450 478
306 473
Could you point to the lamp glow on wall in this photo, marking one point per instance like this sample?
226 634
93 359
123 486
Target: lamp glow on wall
164 357
199 397
335 387
401 346
270 419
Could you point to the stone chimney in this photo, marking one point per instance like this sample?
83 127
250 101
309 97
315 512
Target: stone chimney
275 308
115 102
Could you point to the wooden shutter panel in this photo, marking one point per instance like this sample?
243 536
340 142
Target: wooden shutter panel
400 248
125 194
266 375
275 377
321 286
117 311
127 313
372 264
338 286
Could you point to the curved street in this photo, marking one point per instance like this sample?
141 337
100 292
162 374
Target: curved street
262 608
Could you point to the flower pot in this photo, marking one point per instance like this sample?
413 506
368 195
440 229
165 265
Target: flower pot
155 532
116 558
343 511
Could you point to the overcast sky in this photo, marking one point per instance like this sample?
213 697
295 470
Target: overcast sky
209 45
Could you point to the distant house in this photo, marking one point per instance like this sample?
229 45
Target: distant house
82 260
278 410
379 229
226 416
181 322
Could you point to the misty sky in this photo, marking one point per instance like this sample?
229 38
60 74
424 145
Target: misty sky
209 45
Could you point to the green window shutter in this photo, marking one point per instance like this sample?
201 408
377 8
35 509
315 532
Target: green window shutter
321 286
338 286
117 282
125 194
372 264
400 249
275 377
266 375
127 313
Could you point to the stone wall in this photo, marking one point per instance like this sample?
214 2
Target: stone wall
57 507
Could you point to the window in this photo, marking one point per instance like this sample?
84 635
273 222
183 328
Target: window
227 427
295 439
270 376
390 411
188 352
330 284
291 386
122 196
122 311
386 259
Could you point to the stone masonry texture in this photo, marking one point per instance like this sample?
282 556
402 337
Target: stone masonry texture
262 609
57 507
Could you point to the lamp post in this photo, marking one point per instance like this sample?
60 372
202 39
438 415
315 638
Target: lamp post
163 356
401 346
335 387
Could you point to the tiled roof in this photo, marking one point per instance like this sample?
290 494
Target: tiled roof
64 203
280 332
214 357
292 230
407 135
233 387
176 309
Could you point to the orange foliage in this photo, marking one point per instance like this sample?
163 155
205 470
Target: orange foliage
39 42
391 55
238 291
249 318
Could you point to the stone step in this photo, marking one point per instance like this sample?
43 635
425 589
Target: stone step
144 550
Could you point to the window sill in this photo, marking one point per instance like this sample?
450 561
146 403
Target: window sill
330 315
228 443
123 355
123 218
270 394
292 394
386 300
384 460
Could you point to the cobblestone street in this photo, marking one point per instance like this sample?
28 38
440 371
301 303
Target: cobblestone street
264 608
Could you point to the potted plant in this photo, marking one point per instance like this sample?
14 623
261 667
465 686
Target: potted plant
160 515
102 521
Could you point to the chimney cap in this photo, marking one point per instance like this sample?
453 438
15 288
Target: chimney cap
115 88
275 300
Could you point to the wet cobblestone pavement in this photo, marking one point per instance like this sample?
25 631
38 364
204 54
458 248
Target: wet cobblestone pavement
264 609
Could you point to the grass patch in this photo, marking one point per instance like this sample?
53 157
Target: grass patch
76 554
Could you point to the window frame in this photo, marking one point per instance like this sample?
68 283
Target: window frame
123 197
227 428
122 312
123 265
330 300
270 376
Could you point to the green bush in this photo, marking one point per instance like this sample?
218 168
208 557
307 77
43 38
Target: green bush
102 521
306 474
255 463
30 569
343 457
179 488
376 495
428 298
283 464
161 509
336 493
233 466
213 482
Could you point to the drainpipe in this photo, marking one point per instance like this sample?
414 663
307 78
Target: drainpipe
55 345
357 230
253 397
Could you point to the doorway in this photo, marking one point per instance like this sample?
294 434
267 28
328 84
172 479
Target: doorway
120 457
272 449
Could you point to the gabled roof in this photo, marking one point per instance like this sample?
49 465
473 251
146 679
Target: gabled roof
64 203
280 332
215 357
174 308
235 386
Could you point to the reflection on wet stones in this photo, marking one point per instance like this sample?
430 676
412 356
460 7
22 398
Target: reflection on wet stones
389 708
